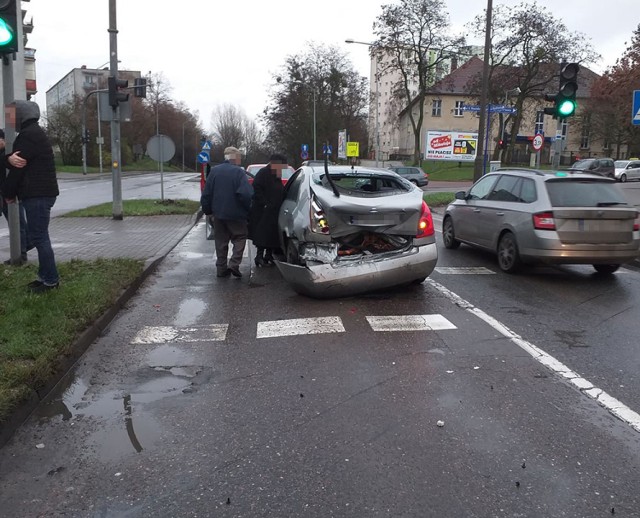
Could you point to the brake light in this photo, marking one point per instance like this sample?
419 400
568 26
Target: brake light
425 224
319 223
636 223
544 221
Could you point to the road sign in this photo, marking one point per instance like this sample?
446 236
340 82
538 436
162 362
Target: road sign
493 108
635 114
326 150
203 157
353 149
538 140
161 148
206 146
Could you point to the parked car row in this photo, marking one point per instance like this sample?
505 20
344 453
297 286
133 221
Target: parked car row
252 171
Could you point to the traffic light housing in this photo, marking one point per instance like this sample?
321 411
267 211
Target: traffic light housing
140 87
115 95
564 102
8 27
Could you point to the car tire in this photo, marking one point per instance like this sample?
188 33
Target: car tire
508 255
623 177
449 235
606 269
291 253
414 182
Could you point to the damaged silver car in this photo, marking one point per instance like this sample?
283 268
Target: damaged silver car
354 230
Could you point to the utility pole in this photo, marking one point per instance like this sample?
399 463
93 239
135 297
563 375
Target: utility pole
478 169
116 175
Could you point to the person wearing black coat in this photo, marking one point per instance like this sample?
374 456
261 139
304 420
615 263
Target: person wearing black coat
32 180
265 205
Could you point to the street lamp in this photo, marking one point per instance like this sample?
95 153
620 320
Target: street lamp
377 126
183 145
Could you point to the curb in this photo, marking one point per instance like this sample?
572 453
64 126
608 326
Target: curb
84 341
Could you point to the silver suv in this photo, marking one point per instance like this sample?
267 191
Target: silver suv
529 216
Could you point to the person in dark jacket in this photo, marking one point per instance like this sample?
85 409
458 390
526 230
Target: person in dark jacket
227 196
263 218
32 180
5 206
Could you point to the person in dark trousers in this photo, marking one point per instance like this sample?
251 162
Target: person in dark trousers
263 218
227 196
32 180
5 206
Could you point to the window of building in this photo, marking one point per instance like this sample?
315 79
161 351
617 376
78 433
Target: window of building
565 129
539 123
584 137
457 112
436 108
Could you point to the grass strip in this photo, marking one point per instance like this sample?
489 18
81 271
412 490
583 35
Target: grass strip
138 208
438 199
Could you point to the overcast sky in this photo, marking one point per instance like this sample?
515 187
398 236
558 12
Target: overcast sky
214 52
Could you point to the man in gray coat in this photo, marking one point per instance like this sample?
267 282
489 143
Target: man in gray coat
227 196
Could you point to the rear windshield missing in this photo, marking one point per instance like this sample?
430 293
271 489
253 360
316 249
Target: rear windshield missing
365 184
584 193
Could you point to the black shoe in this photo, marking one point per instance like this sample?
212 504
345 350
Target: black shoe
235 272
268 260
35 284
21 262
259 261
44 287
223 273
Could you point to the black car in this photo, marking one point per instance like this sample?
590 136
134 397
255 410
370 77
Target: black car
601 166
414 174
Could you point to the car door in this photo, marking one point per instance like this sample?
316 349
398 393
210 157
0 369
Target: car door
633 170
466 212
501 209
289 203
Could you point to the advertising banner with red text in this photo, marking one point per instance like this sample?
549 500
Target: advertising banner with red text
451 145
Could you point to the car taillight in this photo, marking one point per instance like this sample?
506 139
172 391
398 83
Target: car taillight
544 221
319 223
636 223
425 224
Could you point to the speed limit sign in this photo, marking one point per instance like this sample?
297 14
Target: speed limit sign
538 140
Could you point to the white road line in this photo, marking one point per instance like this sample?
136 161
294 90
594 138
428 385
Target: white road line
464 270
409 323
165 334
299 326
617 408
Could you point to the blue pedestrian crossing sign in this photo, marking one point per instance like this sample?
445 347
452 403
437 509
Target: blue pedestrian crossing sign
203 157
206 146
635 113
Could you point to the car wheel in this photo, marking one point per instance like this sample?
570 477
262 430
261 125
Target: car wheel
623 177
414 182
606 269
508 254
292 254
449 235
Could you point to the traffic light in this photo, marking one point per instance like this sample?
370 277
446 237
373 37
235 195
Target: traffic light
564 102
8 27
140 87
115 95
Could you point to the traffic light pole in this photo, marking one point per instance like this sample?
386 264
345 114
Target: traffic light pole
116 174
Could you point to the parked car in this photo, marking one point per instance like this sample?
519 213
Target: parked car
252 171
315 163
627 170
354 230
414 174
530 216
601 166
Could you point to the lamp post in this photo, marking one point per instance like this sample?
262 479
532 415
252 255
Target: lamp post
377 126
183 145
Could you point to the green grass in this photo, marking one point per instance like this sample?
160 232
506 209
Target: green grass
36 331
139 208
146 164
438 199
445 171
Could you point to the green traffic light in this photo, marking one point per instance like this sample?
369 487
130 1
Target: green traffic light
566 108
6 33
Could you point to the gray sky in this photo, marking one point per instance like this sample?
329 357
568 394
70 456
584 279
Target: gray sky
215 52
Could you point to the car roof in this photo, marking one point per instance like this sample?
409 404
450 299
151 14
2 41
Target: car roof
347 170
569 173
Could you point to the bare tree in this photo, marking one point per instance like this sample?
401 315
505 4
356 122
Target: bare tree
413 38
228 124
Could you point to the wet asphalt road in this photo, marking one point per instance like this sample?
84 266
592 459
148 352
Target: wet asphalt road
176 423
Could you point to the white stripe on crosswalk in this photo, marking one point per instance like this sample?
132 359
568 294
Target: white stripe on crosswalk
464 270
409 323
299 326
164 334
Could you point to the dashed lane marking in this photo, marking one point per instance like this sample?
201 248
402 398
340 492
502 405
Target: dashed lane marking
617 408
464 270
409 323
299 326
164 334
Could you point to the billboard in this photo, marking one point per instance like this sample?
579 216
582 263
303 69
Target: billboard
451 145
342 143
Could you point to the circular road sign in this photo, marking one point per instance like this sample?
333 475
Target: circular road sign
161 148
538 140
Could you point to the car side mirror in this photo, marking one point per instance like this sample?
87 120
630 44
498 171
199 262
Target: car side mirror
461 195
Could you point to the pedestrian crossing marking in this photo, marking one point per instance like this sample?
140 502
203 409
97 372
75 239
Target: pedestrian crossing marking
637 116
464 270
165 334
299 326
409 323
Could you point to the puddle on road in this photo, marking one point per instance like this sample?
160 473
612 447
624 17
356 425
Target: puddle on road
192 255
125 426
189 312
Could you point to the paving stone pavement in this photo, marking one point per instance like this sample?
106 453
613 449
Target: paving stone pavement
139 237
